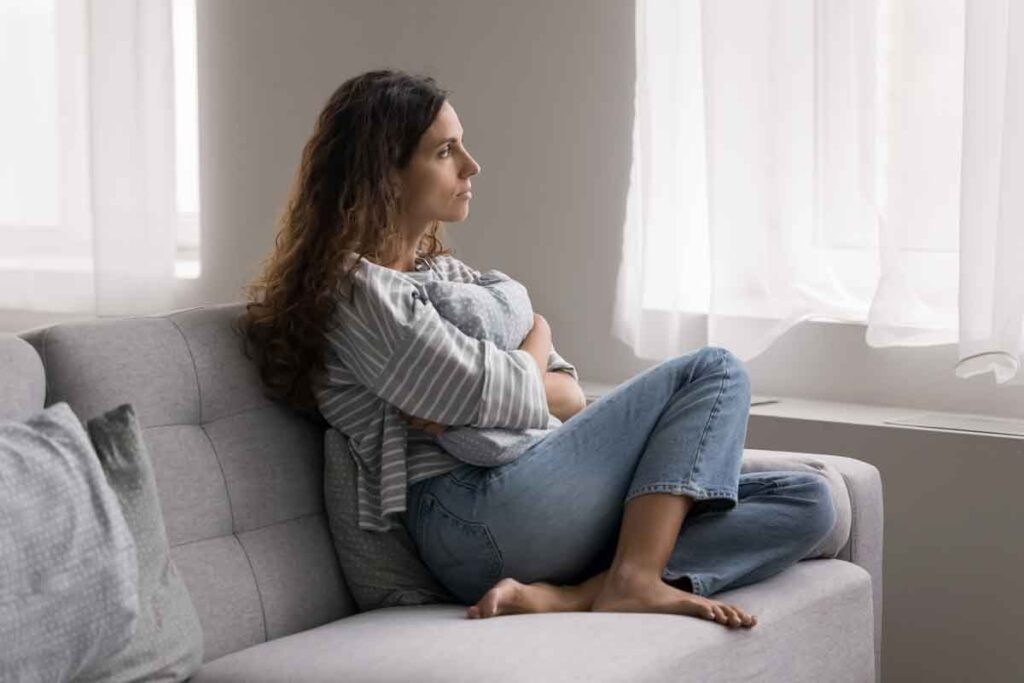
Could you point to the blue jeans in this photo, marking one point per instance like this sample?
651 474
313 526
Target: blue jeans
554 513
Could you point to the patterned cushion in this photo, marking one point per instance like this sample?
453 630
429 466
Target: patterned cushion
496 308
68 575
491 447
381 569
168 640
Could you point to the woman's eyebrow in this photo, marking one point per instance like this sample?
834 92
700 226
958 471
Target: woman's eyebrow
445 141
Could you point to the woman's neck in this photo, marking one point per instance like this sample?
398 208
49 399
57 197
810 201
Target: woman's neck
406 264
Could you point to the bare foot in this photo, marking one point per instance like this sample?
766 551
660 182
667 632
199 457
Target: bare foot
509 596
638 594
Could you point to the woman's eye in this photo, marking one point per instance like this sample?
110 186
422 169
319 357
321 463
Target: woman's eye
445 151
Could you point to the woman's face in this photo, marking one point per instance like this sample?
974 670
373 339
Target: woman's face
433 187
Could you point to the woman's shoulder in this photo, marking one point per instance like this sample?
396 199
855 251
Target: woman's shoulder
379 282
371 276
454 269
371 291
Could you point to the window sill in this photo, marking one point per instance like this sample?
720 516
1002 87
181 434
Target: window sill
889 417
184 268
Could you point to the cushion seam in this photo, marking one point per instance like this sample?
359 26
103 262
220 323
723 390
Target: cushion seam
321 513
224 478
195 369
256 582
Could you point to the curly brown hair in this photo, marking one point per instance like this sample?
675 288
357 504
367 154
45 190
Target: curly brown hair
342 199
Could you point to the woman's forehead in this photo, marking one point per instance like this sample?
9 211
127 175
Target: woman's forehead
445 126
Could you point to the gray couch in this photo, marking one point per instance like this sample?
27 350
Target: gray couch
240 483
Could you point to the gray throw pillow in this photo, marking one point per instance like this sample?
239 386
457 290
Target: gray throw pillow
380 569
68 575
168 642
495 308
492 446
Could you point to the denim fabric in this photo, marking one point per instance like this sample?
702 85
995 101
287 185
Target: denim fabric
554 513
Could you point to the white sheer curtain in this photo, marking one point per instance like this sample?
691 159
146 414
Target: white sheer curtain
847 160
88 219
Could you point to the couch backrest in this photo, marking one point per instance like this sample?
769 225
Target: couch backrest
21 378
240 477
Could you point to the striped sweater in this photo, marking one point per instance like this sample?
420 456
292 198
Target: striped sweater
388 351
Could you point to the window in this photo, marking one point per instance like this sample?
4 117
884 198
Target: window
45 174
186 129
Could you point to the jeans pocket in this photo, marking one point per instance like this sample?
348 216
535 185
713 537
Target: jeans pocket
467 476
462 555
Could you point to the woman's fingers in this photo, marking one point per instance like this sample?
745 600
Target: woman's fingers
426 425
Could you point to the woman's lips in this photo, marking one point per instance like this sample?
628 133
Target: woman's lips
465 195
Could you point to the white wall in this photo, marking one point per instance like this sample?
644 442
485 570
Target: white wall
544 92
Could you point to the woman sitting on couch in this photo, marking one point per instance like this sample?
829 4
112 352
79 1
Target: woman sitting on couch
634 504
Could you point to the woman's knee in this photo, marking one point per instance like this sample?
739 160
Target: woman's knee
715 357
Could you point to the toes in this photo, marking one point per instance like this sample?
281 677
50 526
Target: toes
747 620
732 620
729 615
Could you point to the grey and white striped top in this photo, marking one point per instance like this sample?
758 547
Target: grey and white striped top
388 351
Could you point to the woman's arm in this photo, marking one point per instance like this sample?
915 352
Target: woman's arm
538 343
401 350
565 399
565 395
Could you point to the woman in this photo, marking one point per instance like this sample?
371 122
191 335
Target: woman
637 499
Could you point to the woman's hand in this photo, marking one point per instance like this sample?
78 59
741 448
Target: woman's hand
565 396
540 321
538 342
426 425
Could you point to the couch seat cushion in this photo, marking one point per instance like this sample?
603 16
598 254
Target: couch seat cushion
815 623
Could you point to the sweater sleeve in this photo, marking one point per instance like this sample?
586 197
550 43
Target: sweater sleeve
558 364
399 347
459 271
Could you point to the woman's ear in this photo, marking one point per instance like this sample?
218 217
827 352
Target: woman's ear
396 182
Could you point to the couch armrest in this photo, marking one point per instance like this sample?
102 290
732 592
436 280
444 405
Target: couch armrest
864 547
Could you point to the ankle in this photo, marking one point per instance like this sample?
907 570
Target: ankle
560 598
632 574
576 598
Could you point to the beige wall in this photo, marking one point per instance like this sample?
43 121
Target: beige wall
953 589
544 93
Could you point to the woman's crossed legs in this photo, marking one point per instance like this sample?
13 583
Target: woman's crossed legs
668 442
